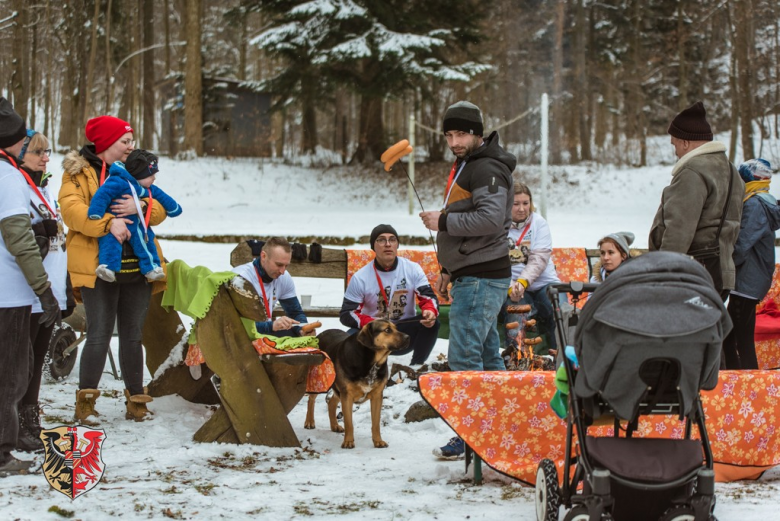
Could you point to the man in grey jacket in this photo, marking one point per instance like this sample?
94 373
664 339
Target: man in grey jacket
694 202
472 228
23 276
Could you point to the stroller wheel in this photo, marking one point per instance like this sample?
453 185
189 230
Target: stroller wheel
548 496
580 513
682 513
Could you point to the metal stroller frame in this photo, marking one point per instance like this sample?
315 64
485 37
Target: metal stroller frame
596 500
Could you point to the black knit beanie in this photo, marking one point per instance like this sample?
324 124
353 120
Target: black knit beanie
379 230
691 124
141 164
12 127
463 116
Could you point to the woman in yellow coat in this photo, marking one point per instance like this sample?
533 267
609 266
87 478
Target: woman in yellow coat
125 300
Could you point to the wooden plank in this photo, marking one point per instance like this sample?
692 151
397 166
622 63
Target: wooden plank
333 265
247 393
162 332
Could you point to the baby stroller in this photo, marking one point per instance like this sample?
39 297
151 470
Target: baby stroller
647 341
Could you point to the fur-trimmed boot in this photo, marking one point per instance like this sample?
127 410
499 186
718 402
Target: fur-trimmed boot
85 406
28 439
136 406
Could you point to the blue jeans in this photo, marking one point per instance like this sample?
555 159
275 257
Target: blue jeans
474 342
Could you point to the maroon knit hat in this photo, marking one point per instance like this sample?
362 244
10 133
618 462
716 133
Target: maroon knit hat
691 124
104 131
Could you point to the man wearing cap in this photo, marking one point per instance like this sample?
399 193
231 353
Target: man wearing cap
689 216
472 229
386 288
24 278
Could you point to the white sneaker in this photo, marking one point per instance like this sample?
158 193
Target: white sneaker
156 274
106 274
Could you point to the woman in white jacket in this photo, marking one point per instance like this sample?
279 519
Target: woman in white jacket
530 249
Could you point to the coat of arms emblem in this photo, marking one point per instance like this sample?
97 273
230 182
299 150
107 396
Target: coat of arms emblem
73 464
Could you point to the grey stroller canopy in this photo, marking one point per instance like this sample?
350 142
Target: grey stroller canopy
661 305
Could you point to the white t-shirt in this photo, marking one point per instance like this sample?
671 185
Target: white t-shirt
278 289
14 200
399 284
537 237
56 261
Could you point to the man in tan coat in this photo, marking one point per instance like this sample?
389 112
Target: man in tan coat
694 202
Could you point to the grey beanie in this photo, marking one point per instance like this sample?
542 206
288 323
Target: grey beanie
622 239
463 116
379 230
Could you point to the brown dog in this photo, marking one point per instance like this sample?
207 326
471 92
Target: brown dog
361 374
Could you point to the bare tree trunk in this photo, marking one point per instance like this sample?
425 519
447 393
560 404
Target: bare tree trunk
682 41
744 75
19 61
86 107
557 106
734 88
33 77
109 63
148 65
193 83
242 46
371 136
48 125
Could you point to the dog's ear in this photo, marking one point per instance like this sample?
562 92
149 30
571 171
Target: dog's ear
366 334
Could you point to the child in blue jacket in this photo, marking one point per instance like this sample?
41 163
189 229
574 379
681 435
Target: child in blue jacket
134 178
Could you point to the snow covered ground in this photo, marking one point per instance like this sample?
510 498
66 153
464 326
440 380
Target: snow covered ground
155 470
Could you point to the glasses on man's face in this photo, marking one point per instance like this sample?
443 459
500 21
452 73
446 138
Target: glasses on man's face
128 143
383 241
41 152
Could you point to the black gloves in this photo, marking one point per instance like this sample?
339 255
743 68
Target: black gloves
50 307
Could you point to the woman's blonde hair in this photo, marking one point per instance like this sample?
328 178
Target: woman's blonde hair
37 142
522 188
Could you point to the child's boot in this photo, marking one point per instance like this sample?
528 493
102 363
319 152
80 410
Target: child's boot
106 274
156 274
136 407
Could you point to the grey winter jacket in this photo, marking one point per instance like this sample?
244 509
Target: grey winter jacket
692 205
754 253
475 222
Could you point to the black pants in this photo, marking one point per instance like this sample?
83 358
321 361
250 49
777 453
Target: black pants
421 339
15 361
40 336
106 302
739 348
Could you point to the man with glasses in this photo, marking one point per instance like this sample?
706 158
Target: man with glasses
386 288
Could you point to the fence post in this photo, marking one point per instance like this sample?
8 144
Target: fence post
410 188
544 145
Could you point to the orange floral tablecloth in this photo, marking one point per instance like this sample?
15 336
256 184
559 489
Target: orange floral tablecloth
571 264
319 379
768 350
505 417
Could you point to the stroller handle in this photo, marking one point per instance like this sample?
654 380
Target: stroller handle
574 287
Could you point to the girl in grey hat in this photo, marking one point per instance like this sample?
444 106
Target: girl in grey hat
613 251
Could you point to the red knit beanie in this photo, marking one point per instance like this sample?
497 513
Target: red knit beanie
691 124
104 131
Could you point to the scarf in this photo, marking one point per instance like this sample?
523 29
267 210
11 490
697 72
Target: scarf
755 187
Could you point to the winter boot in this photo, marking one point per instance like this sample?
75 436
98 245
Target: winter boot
28 439
10 466
136 406
85 407
106 274
156 274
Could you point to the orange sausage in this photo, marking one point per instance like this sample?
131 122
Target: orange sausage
393 150
308 327
393 160
512 325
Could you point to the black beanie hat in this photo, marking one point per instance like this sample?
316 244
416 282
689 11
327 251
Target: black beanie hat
379 230
691 124
463 116
141 164
12 127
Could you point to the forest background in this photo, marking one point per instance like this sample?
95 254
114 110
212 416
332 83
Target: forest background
345 75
